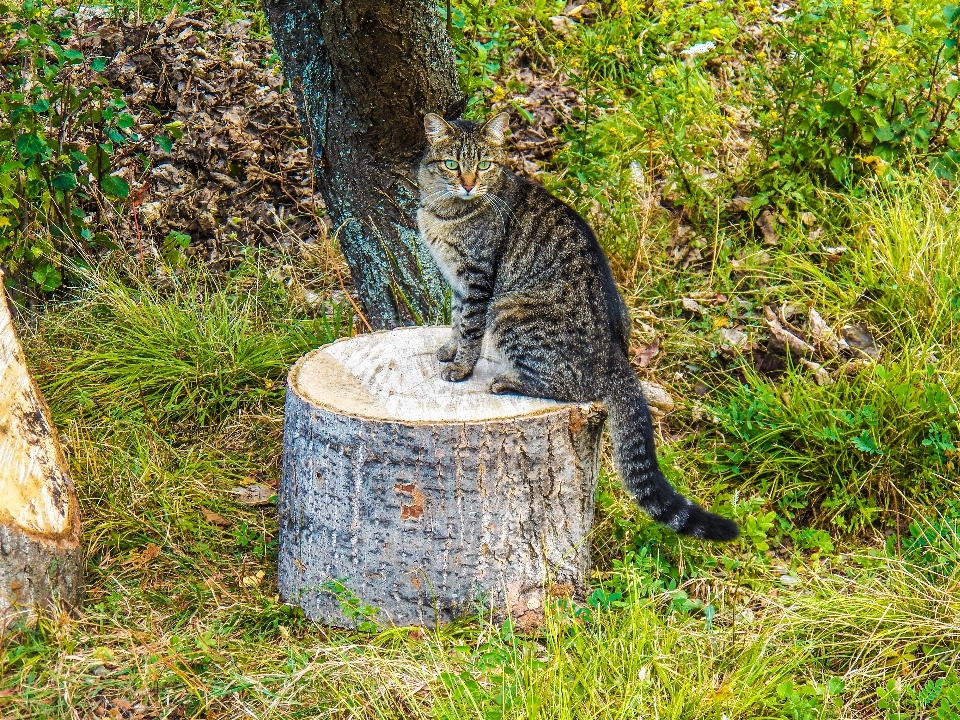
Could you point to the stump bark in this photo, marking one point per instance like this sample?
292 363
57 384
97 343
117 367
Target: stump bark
428 499
40 558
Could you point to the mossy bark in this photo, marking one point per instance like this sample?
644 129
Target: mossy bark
364 73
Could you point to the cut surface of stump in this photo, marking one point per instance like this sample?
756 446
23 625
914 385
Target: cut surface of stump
40 559
427 499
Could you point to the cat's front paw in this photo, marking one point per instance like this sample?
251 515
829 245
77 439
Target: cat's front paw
455 372
447 351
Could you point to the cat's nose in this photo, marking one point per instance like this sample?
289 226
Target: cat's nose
468 182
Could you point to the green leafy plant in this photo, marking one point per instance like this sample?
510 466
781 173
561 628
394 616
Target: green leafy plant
353 608
60 126
938 699
857 85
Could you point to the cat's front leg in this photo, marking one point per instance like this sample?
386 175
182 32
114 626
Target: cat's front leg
448 351
473 320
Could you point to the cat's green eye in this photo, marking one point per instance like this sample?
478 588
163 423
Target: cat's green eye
451 164
483 165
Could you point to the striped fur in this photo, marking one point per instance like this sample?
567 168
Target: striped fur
528 271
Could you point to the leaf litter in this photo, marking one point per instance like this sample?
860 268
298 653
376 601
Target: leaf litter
219 157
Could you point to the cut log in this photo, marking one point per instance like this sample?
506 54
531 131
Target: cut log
40 560
427 499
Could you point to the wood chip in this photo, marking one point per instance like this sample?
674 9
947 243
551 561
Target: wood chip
255 494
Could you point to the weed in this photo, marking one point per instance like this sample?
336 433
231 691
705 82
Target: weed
190 354
56 193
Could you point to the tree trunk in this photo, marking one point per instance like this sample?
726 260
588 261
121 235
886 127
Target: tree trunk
427 499
40 559
364 73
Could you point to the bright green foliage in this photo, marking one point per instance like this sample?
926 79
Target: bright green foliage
859 444
55 193
725 102
841 599
859 84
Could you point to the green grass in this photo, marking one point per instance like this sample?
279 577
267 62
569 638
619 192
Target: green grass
841 599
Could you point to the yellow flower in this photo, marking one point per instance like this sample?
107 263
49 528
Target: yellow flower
611 49
499 93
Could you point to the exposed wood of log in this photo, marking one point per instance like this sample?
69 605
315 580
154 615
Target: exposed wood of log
40 559
428 499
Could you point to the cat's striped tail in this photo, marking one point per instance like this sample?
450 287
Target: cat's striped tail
632 430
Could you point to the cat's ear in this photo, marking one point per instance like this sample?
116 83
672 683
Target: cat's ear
436 128
495 129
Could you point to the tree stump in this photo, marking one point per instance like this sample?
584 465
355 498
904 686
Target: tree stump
40 559
427 499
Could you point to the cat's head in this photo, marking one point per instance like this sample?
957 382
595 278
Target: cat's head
463 160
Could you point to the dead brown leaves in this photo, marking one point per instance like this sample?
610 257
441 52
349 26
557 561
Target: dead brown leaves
551 101
815 344
241 174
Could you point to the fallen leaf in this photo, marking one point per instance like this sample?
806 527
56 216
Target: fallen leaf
768 227
255 494
648 352
739 204
562 24
657 397
820 373
692 306
708 298
855 365
823 335
733 338
784 339
150 553
859 338
214 518
838 250
253 580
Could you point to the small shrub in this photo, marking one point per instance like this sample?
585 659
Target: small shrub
855 85
58 193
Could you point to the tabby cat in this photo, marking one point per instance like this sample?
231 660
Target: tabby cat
527 271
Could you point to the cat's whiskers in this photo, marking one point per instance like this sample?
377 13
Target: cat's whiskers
489 201
499 202
436 197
